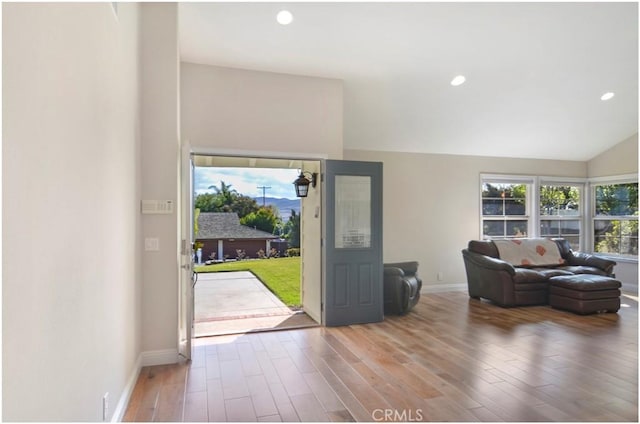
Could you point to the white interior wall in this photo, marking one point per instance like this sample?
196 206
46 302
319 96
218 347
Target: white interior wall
71 261
160 73
431 205
242 110
619 160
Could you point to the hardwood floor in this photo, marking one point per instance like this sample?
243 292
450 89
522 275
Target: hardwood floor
451 359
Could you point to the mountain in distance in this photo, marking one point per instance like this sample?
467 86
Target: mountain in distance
283 205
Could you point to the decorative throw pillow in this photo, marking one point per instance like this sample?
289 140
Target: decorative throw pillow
529 252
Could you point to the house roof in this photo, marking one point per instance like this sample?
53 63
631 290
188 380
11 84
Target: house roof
226 225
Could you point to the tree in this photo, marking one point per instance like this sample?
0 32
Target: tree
264 219
225 192
207 202
292 229
244 205
555 199
226 200
617 199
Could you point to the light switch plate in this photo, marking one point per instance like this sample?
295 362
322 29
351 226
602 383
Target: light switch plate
156 206
151 244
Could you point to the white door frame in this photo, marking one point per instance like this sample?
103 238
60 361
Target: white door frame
185 252
314 290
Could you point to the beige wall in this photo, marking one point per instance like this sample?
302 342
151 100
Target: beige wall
431 205
226 108
160 164
71 324
618 160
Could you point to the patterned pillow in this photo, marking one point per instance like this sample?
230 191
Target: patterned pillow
529 252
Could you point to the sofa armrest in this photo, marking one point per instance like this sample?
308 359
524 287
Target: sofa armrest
408 268
585 259
488 262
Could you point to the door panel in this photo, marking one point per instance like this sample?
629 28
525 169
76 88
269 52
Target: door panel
353 242
310 241
187 276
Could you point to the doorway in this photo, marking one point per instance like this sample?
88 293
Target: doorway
239 299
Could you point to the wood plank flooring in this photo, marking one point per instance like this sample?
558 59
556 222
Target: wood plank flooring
451 359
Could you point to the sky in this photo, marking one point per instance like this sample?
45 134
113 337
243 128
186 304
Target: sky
247 180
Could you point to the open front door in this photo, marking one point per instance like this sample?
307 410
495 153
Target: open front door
352 277
310 241
187 275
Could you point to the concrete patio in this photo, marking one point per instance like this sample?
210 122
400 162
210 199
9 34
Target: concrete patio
237 302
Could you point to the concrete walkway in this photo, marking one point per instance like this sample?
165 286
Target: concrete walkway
237 302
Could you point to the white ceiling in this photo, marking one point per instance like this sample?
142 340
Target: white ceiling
535 71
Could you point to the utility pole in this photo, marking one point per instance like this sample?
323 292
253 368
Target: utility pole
263 188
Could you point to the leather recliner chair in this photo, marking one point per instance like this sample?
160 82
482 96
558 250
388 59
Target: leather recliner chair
401 287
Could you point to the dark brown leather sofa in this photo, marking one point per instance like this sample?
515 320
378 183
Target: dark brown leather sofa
491 278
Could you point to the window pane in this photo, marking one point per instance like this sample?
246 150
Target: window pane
559 200
493 228
353 211
617 199
616 236
504 199
516 228
496 229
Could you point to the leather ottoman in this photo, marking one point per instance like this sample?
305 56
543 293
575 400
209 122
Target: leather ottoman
585 293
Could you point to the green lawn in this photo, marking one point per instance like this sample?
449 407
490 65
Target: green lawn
280 275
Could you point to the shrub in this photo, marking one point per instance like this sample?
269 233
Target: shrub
293 251
240 254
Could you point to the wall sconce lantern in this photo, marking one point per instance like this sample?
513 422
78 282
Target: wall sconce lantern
302 183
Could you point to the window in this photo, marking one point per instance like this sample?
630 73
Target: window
615 219
561 212
505 212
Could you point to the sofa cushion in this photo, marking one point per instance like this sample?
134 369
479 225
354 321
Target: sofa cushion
552 272
586 282
529 252
525 275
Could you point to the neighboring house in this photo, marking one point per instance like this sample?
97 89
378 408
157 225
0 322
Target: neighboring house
222 234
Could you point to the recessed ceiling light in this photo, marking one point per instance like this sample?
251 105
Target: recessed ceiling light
607 96
284 17
460 79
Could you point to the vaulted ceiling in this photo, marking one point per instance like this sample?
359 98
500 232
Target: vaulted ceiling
535 72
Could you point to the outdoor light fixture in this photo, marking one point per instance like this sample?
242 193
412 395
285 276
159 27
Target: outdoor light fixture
302 183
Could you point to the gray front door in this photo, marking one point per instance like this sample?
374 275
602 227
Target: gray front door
352 275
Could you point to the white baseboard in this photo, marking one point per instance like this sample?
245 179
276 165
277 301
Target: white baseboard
159 357
123 402
438 288
145 359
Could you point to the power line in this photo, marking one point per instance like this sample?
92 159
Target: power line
263 188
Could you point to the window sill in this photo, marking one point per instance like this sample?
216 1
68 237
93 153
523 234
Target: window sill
619 259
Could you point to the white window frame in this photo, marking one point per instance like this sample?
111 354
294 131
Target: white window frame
581 184
592 183
587 204
530 210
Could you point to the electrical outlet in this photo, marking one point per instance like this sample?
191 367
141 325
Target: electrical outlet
440 276
105 406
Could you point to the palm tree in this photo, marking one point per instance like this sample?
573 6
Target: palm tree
226 193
